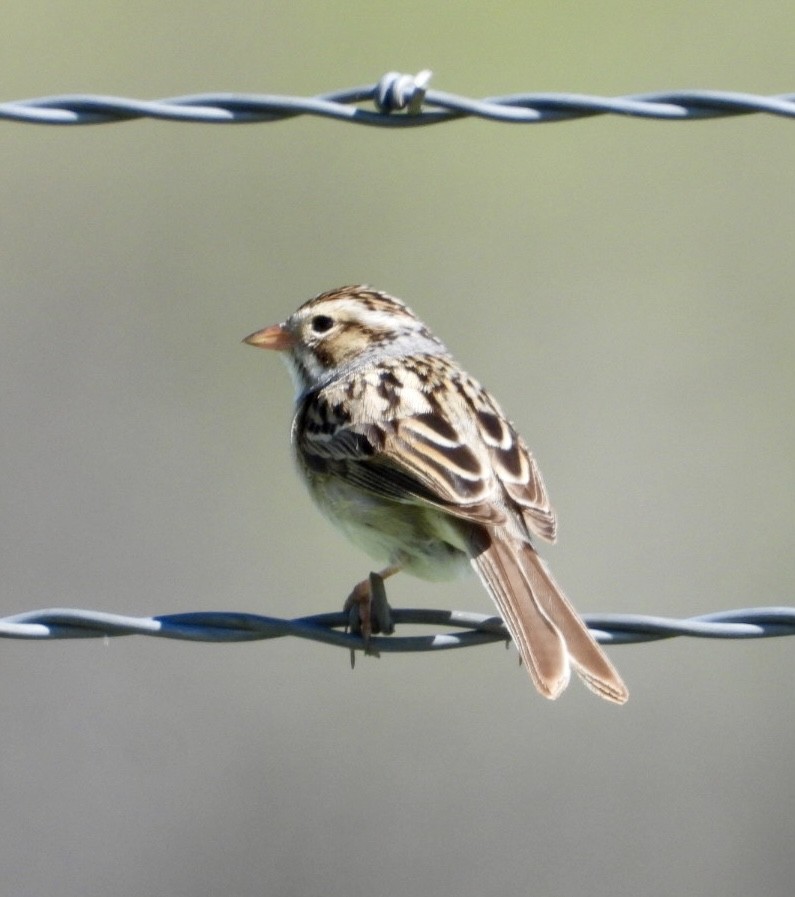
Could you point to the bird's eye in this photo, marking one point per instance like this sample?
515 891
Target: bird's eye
322 323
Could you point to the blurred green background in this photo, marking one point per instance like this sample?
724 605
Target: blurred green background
625 289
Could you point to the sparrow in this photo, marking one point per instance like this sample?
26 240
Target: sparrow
415 462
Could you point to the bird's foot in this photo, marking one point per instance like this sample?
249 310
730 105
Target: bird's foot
369 612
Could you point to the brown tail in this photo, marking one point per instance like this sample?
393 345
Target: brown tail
546 629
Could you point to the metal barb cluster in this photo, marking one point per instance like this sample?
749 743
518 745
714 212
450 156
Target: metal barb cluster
399 101
468 628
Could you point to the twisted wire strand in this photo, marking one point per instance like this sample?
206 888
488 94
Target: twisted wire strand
408 94
393 93
475 629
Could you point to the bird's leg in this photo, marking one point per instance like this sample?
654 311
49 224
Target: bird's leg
368 610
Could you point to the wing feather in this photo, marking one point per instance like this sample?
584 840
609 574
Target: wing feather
427 433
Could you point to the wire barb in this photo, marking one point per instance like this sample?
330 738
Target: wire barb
394 92
469 628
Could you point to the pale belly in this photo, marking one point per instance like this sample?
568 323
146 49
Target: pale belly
422 540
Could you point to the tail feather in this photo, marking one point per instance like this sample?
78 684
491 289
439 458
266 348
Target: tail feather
548 632
538 640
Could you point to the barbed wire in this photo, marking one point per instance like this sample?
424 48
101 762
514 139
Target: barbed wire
394 93
408 94
477 629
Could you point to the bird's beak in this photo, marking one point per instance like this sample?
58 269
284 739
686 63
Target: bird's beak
274 337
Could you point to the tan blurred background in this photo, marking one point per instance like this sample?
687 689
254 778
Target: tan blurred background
624 287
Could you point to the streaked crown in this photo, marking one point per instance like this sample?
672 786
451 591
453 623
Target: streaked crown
347 328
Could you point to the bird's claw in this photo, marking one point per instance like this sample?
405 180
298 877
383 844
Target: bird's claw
369 612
